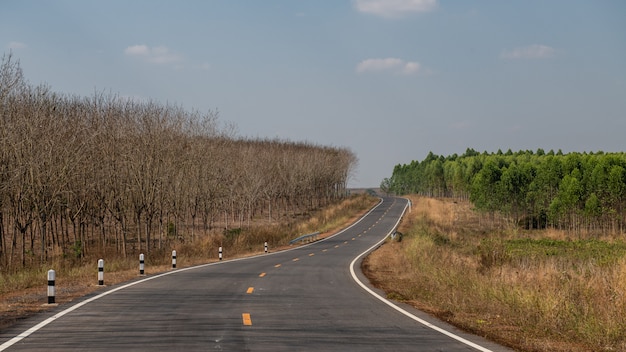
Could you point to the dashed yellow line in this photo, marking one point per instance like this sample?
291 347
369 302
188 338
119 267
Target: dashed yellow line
250 290
261 274
277 265
312 254
295 259
246 319
324 250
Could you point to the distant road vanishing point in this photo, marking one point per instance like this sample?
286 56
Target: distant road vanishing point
310 298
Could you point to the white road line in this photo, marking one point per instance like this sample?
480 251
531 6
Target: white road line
389 303
26 333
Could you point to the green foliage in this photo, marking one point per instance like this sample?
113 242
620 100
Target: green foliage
572 191
171 230
599 252
232 233
77 249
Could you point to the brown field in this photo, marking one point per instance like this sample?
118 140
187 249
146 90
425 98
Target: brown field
538 290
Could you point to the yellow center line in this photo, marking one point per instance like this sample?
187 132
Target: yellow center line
337 246
261 274
250 290
246 319
346 242
324 250
312 254
353 238
295 259
277 265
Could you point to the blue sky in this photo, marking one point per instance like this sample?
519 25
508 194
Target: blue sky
389 79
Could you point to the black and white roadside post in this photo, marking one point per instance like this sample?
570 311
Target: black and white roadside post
220 252
141 264
173 259
51 290
101 272
265 247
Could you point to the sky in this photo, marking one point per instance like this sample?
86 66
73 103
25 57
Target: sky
390 80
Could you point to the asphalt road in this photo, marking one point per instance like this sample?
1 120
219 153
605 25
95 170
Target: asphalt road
304 299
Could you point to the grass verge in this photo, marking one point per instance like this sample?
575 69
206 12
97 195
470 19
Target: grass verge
535 291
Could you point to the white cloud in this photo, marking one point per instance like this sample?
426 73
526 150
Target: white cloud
136 50
394 8
390 64
16 45
535 51
156 55
410 68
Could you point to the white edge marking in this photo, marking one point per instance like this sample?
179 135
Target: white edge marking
49 320
389 303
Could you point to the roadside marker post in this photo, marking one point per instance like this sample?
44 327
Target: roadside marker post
220 252
51 288
101 272
141 264
265 247
174 259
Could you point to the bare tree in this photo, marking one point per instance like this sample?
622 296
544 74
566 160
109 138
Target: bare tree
78 175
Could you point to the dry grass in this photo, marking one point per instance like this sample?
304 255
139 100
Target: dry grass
24 293
452 264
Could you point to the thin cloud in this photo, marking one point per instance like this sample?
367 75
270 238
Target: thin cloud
394 8
535 51
393 65
156 55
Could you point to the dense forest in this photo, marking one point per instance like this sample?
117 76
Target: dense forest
80 173
574 191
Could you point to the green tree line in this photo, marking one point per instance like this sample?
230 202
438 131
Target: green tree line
80 174
572 191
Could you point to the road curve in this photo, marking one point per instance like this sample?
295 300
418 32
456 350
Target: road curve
309 298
